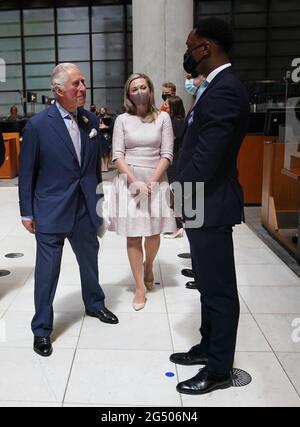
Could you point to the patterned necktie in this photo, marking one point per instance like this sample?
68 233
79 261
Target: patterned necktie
75 136
201 89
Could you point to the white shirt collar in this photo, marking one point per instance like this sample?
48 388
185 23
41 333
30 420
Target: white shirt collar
63 111
216 71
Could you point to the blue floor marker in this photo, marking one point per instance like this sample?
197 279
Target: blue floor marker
169 374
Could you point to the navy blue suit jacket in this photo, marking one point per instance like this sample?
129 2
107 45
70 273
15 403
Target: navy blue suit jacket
50 175
2 150
214 133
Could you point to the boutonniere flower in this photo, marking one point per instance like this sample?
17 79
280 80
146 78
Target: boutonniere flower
85 119
93 133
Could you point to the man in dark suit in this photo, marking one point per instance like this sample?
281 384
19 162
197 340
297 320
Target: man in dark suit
215 129
59 174
2 150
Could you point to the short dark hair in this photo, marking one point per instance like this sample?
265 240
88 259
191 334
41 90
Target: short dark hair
170 85
176 107
217 30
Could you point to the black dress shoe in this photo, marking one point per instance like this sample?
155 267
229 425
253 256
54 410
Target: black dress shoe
188 272
104 315
42 346
204 382
192 357
191 285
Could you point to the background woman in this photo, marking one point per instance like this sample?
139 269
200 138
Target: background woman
177 114
106 126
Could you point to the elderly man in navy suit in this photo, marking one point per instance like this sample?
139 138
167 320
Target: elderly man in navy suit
2 150
215 129
59 175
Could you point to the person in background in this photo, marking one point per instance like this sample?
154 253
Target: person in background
14 114
93 109
177 114
168 90
106 127
193 86
142 151
2 150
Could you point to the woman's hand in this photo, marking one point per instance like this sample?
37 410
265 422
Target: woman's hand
151 186
140 188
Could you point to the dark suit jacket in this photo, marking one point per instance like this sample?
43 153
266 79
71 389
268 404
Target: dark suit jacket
2 150
51 178
214 132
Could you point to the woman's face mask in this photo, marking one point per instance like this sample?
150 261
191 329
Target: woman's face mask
139 92
190 87
140 97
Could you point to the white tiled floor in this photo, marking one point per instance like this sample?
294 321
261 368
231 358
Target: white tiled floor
125 364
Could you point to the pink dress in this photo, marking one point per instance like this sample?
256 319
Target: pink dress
141 145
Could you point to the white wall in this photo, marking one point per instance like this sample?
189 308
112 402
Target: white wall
160 30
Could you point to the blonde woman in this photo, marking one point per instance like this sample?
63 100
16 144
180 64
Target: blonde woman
142 151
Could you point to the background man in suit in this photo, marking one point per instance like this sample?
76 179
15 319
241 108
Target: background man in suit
59 173
2 150
215 130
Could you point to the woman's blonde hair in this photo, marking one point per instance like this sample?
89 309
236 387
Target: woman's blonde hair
130 108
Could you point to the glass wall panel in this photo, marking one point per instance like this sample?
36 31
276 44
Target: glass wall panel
10 50
10 23
212 7
39 49
13 78
108 46
38 22
108 73
71 48
72 20
111 98
107 19
129 18
7 99
38 76
251 6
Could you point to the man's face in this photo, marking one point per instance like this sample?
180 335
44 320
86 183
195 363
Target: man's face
168 91
197 45
74 93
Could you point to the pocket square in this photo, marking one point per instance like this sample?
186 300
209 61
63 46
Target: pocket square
93 133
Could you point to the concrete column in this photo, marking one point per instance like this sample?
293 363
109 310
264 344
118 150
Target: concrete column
160 30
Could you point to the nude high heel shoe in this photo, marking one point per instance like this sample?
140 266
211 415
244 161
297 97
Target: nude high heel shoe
149 285
139 305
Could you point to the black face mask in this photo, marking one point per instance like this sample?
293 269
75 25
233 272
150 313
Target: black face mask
165 96
189 64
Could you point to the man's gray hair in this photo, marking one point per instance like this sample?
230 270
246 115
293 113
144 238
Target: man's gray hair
60 73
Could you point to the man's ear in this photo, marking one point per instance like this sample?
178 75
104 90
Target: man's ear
58 91
207 48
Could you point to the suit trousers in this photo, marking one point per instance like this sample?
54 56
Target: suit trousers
85 245
215 277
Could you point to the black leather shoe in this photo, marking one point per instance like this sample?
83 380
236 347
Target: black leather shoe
192 357
42 346
191 285
188 272
104 315
204 382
